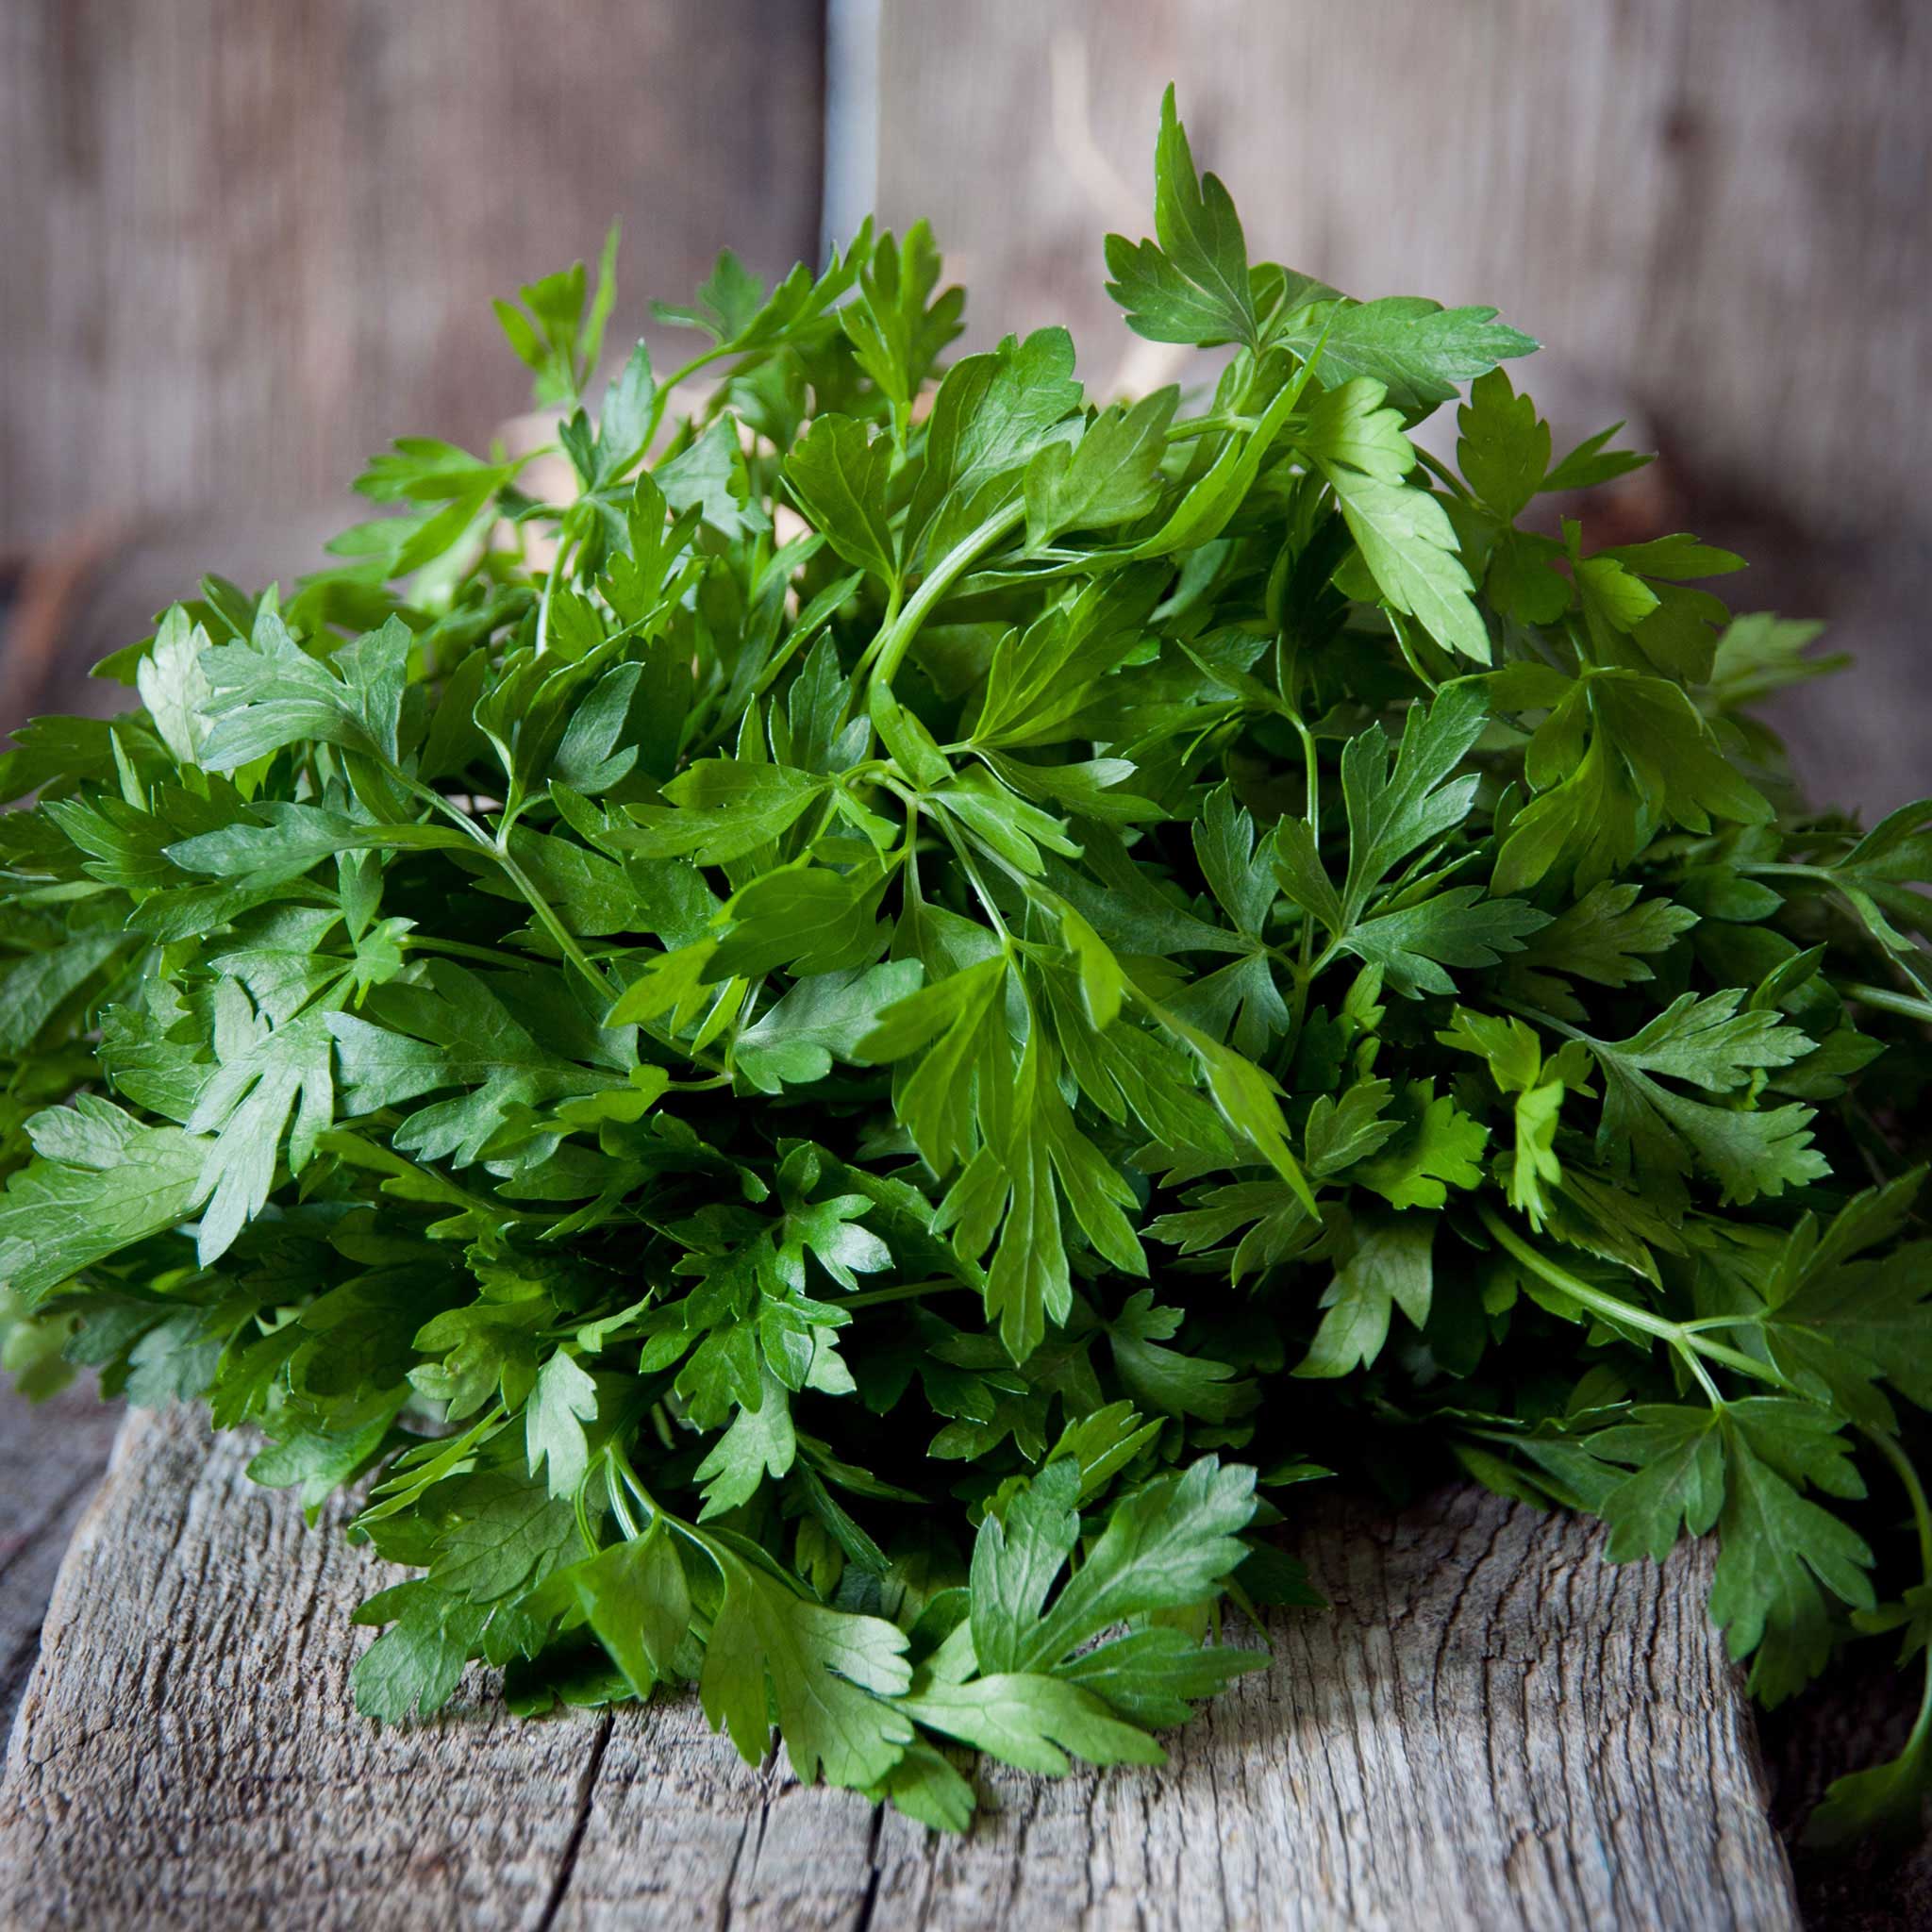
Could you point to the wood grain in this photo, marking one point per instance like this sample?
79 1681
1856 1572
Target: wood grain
52 1455
245 245
1717 209
1491 1728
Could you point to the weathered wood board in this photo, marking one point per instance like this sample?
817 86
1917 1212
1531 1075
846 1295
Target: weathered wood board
1491 1728
1648 187
51 1460
247 244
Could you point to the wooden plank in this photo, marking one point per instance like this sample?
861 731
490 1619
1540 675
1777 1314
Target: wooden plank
246 245
52 1456
1491 1728
1715 208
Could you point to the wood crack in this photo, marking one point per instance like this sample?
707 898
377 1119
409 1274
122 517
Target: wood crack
587 1796
868 1904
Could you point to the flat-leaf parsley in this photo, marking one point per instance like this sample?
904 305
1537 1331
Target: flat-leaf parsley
804 1056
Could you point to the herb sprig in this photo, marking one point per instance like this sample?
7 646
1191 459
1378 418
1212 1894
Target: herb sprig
827 1062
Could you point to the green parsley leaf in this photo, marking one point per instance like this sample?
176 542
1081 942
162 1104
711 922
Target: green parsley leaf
699 991
1192 284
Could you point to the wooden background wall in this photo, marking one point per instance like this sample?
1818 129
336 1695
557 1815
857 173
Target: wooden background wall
1718 208
243 243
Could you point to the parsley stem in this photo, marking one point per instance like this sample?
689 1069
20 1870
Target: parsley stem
620 1508
489 956
1305 970
1903 1004
1409 657
1922 1517
1689 1344
887 651
1313 813
349 1146
1914 1489
911 1290
1442 473
565 540
662 399
1324 958
566 939
1226 419
567 944
1900 956
617 1459
971 870
437 802
1543 1019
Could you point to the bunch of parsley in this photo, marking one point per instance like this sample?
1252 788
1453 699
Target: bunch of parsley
807 1059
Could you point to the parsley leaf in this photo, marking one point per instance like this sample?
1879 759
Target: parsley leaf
654 1028
1192 284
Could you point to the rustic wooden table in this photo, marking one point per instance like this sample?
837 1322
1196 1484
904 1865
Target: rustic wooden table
1492 1728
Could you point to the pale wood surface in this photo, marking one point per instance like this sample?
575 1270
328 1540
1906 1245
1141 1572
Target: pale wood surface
1717 206
246 245
51 1459
1492 1728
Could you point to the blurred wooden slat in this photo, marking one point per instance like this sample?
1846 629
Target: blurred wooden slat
1716 206
247 244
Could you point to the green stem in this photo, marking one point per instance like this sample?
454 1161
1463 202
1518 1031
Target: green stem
1304 971
1900 956
1915 1490
978 884
615 1489
564 541
437 802
566 939
1443 474
887 651
489 956
1922 1516
1227 422
496 850
337 1139
661 400
567 942
1689 1342
874 1297
1408 655
617 1461
1543 1019
1901 1004
581 1504
1323 960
